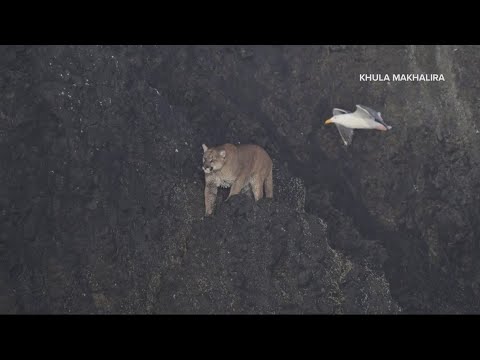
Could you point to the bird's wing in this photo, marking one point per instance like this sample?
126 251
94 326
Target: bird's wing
364 113
374 114
345 133
339 111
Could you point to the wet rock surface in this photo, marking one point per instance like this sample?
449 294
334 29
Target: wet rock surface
102 196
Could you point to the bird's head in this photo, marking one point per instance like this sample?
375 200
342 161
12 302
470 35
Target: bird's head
332 120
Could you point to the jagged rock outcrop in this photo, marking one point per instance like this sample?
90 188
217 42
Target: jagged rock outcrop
102 196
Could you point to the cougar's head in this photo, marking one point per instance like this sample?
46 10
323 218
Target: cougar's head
213 159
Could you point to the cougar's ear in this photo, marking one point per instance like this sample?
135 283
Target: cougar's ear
205 148
222 153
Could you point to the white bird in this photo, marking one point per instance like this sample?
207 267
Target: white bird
362 118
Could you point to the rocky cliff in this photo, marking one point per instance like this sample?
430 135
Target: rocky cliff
102 190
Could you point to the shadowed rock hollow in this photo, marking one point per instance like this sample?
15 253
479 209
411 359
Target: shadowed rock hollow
102 196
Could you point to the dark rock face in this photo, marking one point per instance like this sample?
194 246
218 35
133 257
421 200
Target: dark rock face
102 190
